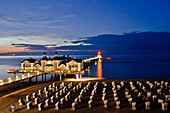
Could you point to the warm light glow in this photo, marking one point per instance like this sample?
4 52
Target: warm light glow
23 76
99 69
9 80
83 79
77 76
99 55
16 77
1 83
31 73
11 70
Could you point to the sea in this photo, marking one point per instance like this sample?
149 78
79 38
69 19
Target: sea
123 66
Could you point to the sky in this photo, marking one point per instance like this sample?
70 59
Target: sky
55 25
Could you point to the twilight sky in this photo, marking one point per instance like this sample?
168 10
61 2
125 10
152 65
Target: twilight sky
52 24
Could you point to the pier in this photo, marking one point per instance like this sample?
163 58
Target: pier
55 74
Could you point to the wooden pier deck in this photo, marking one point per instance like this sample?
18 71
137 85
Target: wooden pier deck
36 73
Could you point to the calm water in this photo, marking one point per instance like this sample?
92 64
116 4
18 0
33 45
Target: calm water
124 66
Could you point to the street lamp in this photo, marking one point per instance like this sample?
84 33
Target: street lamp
9 80
1 82
23 76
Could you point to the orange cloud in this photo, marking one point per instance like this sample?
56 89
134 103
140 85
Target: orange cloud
17 51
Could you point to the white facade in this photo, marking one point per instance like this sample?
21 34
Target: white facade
30 64
67 64
74 66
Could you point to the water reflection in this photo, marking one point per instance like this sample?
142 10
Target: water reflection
99 69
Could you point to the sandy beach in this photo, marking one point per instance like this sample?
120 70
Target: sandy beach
6 99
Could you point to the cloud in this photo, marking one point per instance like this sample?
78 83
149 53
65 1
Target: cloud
31 46
43 40
12 22
31 21
14 33
70 16
134 42
44 7
29 13
48 46
143 42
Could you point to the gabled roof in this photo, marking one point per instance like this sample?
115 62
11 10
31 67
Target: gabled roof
59 58
63 62
44 58
31 60
77 60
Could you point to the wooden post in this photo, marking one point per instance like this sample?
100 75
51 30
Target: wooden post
80 76
60 77
42 77
36 79
15 75
55 76
30 80
45 77
14 85
23 79
77 76
51 77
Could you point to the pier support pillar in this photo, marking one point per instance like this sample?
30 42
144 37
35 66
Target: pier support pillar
51 77
77 76
30 80
42 77
14 85
23 76
45 78
36 79
15 75
60 77
80 76
55 76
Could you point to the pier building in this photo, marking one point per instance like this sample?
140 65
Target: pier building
60 63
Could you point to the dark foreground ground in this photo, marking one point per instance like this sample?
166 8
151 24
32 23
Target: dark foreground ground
12 98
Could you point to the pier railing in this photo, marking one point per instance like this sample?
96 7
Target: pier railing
35 73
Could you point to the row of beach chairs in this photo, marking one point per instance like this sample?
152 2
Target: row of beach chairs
135 95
